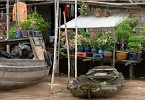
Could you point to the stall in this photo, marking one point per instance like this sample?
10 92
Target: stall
109 23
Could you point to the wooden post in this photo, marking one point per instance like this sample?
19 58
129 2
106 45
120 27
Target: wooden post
76 37
67 46
55 43
17 10
114 36
8 46
57 69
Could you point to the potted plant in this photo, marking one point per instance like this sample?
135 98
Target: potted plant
83 40
93 45
108 45
123 31
34 22
135 47
107 13
84 9
97 12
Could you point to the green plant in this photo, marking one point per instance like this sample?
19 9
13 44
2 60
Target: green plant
93 42
83 33
134 43
71 39
134 46
13 31
107 41
34 21
84 10
98 9
124 30
143 31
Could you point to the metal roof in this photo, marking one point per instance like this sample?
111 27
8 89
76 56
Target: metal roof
96 22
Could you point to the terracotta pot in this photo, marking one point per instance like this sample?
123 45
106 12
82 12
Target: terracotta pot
107 54
121 55
107 14
97 14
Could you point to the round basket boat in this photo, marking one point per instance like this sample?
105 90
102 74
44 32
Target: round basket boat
18 73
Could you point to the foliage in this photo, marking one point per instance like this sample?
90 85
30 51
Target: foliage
83 38
34 22
83 33
142 31
71 39
106 42
98 9
13 31
134 46
84 10
134 43
124 30
93 42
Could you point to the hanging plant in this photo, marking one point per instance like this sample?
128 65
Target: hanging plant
84 10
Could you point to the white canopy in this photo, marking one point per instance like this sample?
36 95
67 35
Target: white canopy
96 22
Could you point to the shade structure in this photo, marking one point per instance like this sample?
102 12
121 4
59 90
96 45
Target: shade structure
96 22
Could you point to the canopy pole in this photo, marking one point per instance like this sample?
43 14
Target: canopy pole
57 69
55 43
67 46
8 46
17 10
114 36
76 37
7 19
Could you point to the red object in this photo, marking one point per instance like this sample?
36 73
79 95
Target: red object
84 54
67 10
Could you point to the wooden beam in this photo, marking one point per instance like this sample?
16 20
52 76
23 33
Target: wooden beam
117 4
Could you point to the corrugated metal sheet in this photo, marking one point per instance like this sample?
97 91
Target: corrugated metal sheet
96 22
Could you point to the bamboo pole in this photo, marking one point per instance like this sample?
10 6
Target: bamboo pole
76 37
57 70
1 13
7 13
17 10
55 44
114 36
67 46
7 19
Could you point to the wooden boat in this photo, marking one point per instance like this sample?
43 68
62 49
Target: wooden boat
101 81
18 73
21 72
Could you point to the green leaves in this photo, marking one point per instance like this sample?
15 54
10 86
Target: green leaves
34 21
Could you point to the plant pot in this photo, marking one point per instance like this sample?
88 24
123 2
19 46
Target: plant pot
100 53
107 54
133 56
94 50
80 49
19 35
97 14
107 14
121 55
87 49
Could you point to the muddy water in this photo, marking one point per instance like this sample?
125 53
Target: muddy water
132 90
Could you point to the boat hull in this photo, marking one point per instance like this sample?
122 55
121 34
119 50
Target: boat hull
17 73
101 86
